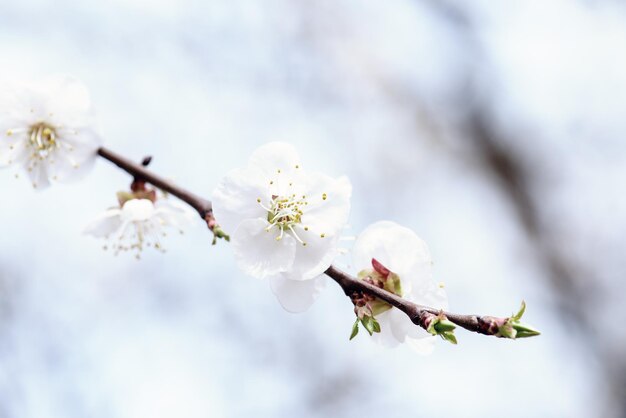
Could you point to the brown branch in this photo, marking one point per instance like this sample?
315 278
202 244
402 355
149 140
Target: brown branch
417 313
201 205
487 325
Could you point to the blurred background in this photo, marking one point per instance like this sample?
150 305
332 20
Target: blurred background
492 129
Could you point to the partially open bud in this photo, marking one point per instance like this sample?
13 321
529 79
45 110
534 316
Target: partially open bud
214 227
384 278
438 325
512 327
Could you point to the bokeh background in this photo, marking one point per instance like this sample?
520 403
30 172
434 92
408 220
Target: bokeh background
493 129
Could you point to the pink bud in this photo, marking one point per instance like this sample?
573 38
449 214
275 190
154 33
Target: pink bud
380 269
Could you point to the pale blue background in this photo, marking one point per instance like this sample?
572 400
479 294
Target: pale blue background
375 90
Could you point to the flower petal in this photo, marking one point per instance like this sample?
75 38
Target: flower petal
423 346
105 224
314 258
76 156
396 247
275 156
328 203
257 251
65 100
235 198
173 213
38 174
13 152
402 327
137 210
428 294
385 337
297 296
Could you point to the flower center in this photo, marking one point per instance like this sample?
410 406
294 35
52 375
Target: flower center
285 213
43 138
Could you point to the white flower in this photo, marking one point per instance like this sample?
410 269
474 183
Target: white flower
284 221
48 128
402 252
139 223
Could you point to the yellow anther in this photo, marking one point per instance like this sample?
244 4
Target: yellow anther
324 196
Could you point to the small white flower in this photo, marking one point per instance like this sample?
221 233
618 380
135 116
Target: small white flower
139 223
402 252
47 127
284 221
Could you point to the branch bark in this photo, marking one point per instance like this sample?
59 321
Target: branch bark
201 205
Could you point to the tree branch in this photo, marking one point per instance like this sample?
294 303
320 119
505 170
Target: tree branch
201 205
418 314
487 325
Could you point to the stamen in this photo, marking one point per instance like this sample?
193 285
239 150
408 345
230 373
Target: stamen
43 138
296 235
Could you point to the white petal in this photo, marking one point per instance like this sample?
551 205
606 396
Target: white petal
314 258
106 224
137 210
235 198
275 156
297 296
85 140
396 247
397 328
38 175
258 253
17 102
429 294
385 337
65 101
173 213
423 346
75 164
329 215
15 152
402 327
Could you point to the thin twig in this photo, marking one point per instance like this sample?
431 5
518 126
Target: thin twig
201 205
349 284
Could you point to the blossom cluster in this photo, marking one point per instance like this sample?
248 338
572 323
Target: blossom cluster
285 221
